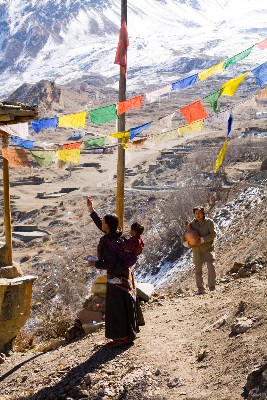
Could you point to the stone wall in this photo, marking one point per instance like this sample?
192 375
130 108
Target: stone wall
15 307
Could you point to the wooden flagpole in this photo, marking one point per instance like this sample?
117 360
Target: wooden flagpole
121 128
7 213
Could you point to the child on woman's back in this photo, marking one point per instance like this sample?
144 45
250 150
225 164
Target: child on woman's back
135 243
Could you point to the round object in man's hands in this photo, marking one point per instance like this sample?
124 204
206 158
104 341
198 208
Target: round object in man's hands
192 237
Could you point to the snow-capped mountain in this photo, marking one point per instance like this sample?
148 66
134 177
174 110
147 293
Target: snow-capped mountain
62 40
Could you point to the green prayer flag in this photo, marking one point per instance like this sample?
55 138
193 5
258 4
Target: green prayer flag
212 98
237 57
96 142
103 114
44 158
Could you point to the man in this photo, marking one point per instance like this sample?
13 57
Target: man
203 251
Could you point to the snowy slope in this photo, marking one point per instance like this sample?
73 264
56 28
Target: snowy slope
64 39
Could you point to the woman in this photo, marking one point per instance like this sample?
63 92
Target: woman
120 316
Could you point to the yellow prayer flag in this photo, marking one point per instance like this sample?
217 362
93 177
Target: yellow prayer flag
164 136
72 120
120 135
220 157
229 87
215 69
72 155
196 126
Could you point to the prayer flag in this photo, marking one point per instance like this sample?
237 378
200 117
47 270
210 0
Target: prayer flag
164 136
37 126
196 126
16 157
220 157
212 98
229 88
120 135
237 57
153 96
136 144
72 155
216 119
135 102
260 73
229 127
121 53
166 122
262 45
215 69
72 120
21 130
193 112
26 143
44 158
95 142
74 145
104 114
183 83
137 130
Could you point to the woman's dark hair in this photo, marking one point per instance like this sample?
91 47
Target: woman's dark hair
112 221
200 208
139 229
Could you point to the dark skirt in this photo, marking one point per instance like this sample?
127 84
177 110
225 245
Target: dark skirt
120 315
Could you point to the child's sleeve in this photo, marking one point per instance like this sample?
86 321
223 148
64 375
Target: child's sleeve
130 244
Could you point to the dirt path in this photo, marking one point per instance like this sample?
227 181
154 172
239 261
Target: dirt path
182 352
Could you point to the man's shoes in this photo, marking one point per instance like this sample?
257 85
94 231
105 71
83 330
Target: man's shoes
200 291
212 288
119 342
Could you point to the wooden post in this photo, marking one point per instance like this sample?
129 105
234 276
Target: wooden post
7 213
121 128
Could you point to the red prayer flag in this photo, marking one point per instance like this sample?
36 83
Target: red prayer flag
193 112
262 45
135 102
121 54
74 145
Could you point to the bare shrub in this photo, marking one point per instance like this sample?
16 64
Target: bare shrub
24 341
54 320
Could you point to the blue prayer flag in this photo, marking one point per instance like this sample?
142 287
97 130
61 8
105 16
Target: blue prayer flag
25 143
229 128
260 73
37 126
136 131
183 83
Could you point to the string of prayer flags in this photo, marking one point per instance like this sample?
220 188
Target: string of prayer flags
104 114
72 120
166 122
16 157
135 102
37 126
69 155
20 130
124 136
220 157
136 144
121 53
237 57
193 112
44 158
164 136
229 125
260 73
215 69
138 129
196 126
74 145
25 143
262 45
154 96
183 83
95 142
229 88
213 98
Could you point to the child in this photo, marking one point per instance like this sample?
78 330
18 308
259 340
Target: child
135 243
